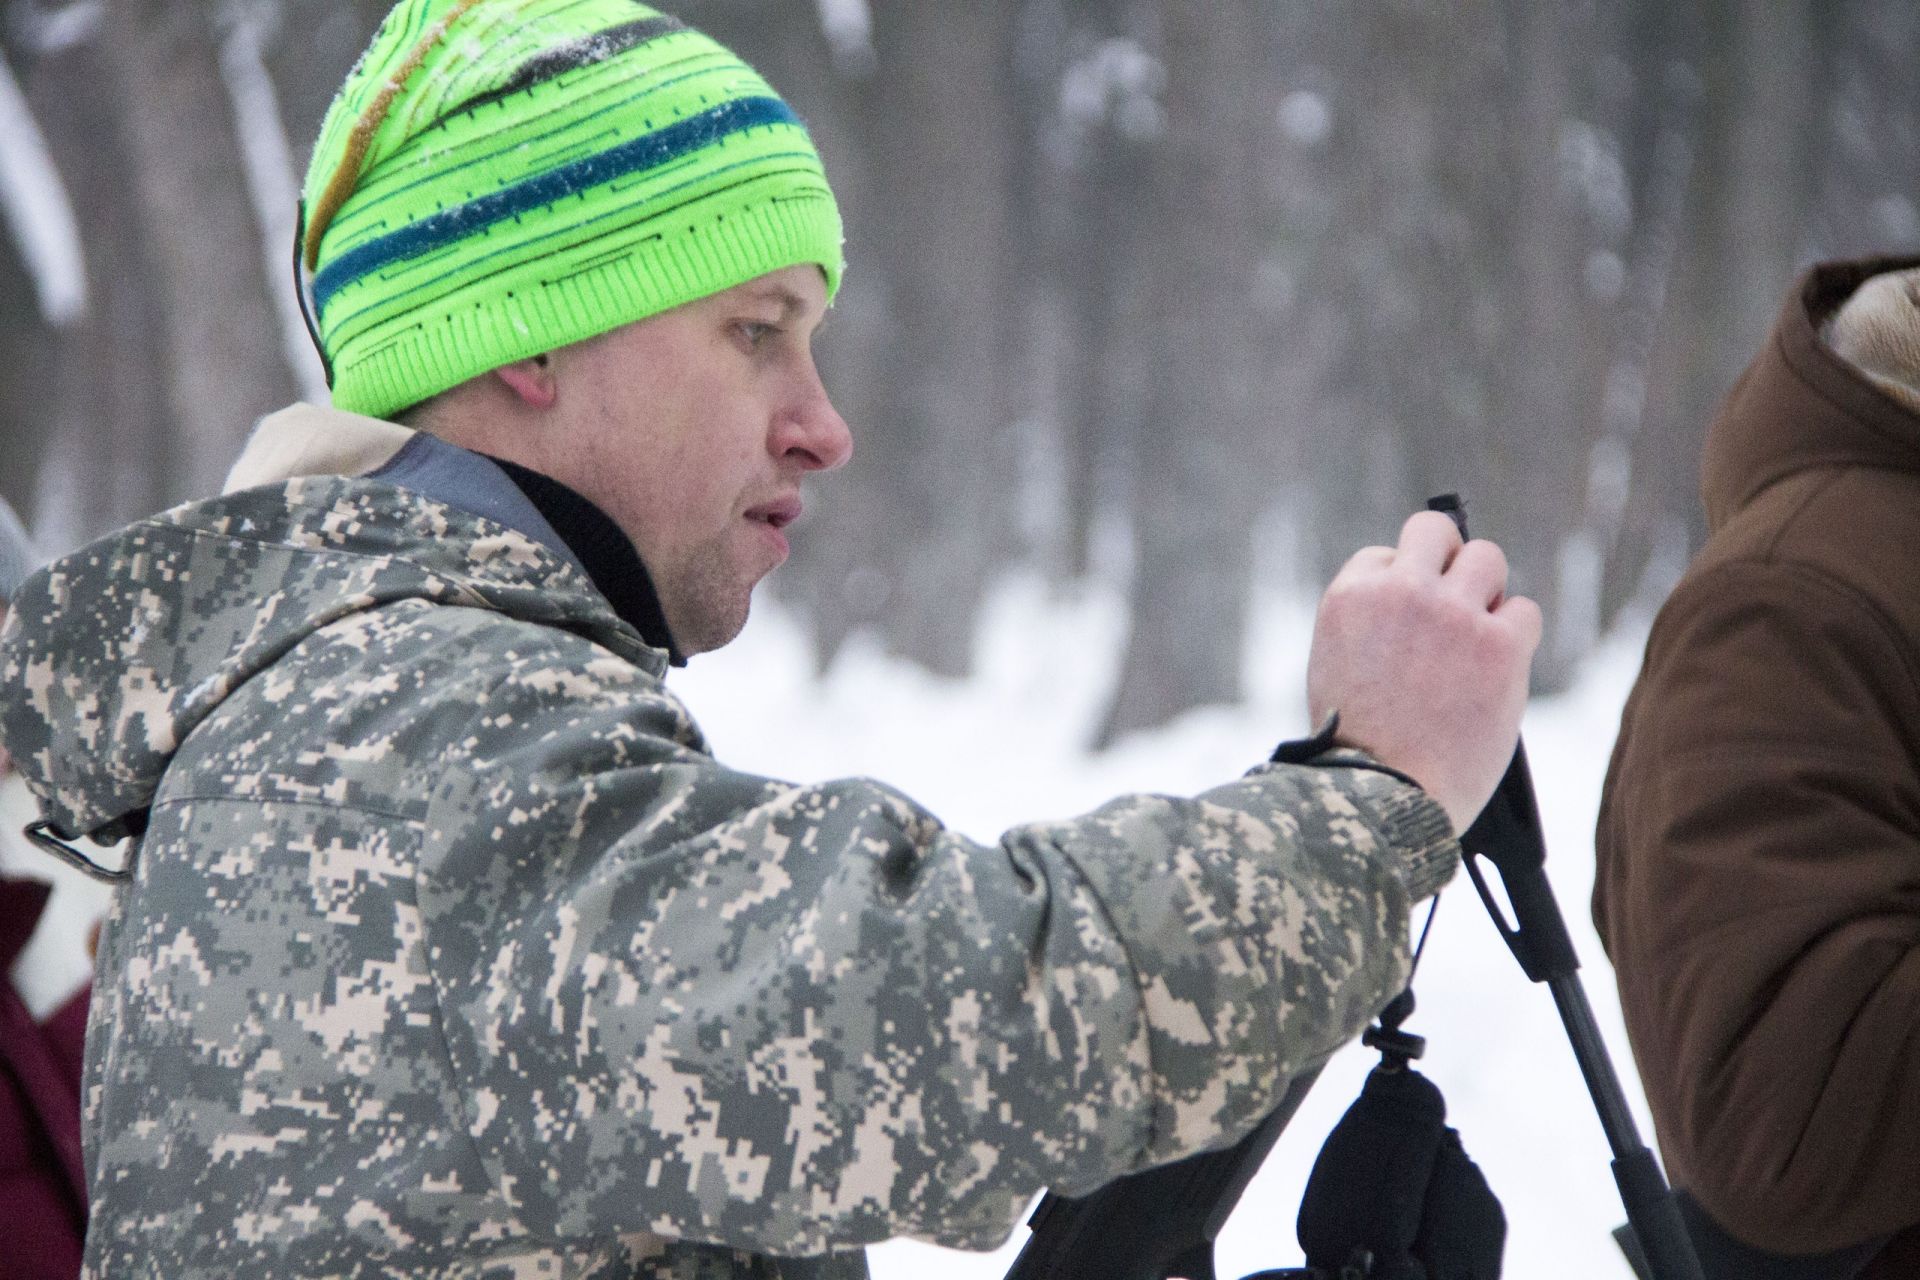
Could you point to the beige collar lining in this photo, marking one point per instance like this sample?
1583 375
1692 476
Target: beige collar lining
312 440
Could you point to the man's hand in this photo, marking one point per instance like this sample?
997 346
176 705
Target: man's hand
1425 657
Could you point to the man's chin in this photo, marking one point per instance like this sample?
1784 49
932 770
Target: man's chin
714 628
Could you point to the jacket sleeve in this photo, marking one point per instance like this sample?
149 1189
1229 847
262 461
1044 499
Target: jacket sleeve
1759 894
794 1019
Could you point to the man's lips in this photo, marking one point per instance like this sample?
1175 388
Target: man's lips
777 514
773 517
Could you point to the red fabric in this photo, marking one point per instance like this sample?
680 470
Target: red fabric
42 1182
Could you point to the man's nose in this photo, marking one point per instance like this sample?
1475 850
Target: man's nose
813 433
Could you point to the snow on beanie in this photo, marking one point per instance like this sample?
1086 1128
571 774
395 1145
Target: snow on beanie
499 178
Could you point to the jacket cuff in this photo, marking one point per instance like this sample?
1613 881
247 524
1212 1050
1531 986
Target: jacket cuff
1410 820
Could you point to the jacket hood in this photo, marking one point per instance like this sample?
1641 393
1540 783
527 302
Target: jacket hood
114 654
315 440
1800 405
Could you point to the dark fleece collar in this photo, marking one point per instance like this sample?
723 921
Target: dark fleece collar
603 549
545 510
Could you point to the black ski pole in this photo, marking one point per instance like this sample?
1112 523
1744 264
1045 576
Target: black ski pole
1508 834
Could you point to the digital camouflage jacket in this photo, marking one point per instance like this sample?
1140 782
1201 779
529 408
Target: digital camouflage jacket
450 951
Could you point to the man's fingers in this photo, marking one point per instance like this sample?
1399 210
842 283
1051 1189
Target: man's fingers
1366 560
1428 542
1524 615
1478 573
1425 656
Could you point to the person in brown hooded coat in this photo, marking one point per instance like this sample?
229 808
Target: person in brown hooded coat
1758 879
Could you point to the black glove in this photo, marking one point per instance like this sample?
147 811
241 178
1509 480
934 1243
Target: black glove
1462 1229
1393 1195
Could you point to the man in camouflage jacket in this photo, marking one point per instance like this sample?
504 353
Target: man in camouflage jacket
449 950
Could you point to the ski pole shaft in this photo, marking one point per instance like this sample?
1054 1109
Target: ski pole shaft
1509 835
1591 1053
1653 1215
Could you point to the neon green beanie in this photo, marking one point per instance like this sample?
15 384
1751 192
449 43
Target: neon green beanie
499 178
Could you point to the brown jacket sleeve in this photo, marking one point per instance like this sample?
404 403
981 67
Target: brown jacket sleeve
1759 893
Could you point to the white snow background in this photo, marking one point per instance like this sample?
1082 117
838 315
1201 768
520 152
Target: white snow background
1008 746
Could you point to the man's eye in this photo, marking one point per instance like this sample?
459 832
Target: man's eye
755 331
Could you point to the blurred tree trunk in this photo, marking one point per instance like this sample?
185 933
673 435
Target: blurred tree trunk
27 351
94 423
27 347
1296 352
1449 235
1101 129
1194 487
1866 201
1332 477
1642 477
27 343
1532 228
1398 284
1755 157
1479 222
1475 308
941 125
225 366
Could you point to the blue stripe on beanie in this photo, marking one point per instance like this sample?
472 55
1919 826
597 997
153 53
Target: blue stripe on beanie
449 225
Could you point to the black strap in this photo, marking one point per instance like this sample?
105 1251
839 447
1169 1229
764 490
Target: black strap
304 294
51 839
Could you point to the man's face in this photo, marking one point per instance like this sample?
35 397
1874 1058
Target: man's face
693 429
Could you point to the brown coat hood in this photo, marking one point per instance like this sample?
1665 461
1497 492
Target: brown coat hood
1800 406
1758 852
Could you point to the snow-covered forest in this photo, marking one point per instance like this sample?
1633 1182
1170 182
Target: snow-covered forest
1177 297
1156 310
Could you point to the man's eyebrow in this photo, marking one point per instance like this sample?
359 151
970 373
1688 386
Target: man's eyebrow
791 303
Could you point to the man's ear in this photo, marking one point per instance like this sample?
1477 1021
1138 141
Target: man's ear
532 381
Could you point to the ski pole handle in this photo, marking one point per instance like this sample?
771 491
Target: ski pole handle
1508 834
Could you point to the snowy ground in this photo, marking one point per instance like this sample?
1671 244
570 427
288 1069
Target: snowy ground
1006 747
